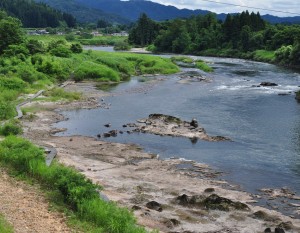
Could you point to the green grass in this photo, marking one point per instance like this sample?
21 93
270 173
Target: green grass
203 66
264 55
182 59
5 227
57 93
75 191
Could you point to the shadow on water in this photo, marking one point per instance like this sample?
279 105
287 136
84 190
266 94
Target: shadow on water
107 87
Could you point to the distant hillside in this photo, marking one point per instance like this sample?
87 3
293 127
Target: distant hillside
83 13
36 15
125 12
133 9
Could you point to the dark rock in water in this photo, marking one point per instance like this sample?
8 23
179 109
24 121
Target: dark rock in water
121 132
106 135
107 125
284 94
99 135
279 230
268 84
194 123
124 126
113 133
209 190
268 230
153 205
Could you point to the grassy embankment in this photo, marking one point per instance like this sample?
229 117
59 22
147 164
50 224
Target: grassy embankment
257 55
23 74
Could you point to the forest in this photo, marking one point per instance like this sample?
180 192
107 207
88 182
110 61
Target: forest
244 35
36 15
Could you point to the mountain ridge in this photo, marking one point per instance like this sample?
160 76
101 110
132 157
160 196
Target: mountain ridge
125 12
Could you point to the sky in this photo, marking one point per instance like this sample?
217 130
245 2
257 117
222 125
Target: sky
292 6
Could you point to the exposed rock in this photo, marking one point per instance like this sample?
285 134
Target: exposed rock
171 223
209 190
264 216
279 230
107 125
286 225
213 202
135 207
220 203
268 84
153 205
194 123
268 230
166 125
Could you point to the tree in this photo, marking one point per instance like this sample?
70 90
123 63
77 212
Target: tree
144 32
11 32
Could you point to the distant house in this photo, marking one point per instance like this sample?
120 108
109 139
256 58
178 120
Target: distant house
95 33
122 33
38 32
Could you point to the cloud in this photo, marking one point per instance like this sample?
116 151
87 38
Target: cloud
270 6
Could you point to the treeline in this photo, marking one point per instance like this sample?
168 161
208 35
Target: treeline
36 15
239 35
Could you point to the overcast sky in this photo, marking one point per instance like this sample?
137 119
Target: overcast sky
277 5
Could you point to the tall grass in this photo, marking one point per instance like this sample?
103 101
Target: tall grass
77 192
203 66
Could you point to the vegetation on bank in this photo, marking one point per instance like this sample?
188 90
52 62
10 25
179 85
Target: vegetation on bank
244 35
5 227
78 193
190 62
28 65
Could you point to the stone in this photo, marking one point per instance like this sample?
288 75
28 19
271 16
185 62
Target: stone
153 205
268 84
113 133
194 123
268 230
106 135
135 207
107 125
279 230
209 190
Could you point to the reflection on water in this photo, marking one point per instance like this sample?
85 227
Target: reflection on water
106 86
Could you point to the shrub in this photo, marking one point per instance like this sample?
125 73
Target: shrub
12 83
122 45
11 128
76 48
61 51
7 110
35 46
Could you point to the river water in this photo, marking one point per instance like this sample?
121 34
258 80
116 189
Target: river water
264 125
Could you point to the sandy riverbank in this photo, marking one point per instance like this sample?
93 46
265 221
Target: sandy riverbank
134 179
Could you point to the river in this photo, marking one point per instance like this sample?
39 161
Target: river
263 124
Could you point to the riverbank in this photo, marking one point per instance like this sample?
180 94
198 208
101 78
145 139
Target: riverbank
159 192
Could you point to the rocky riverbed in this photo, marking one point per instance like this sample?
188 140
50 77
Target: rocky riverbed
162 194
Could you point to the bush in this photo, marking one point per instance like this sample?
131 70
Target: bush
12 83
7 110
76 48
61 51
122 45
11 128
